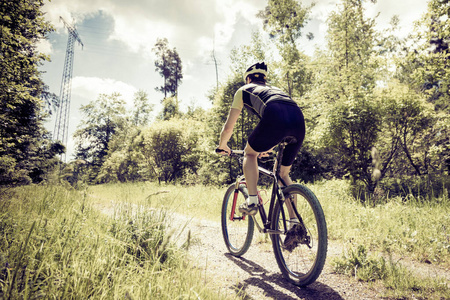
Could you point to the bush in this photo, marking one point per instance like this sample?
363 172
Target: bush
422 188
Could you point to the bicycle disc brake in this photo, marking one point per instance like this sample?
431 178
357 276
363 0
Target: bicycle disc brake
295 236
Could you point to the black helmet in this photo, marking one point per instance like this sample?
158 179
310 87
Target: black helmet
260 68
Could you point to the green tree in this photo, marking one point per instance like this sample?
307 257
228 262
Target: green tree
170 109
25 150
125 161
103 118
169 148
433 55
169 66
347 86
284 21
353 132
140 114
245 55
425 68
408 123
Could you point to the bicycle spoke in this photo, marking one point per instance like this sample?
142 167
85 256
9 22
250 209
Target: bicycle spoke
301 252
237 229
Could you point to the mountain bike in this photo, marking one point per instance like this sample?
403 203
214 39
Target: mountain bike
300 248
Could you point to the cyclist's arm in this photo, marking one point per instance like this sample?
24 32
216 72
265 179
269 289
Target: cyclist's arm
227 129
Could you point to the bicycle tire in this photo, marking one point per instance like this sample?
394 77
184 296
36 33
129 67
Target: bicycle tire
302 265
237 234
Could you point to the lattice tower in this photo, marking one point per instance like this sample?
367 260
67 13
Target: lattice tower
60 133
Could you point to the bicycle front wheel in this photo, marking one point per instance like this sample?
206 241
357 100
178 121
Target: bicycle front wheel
237 229
300 253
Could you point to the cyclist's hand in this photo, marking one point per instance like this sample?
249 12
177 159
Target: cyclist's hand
224 151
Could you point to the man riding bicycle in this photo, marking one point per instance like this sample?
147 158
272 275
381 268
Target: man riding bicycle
280 117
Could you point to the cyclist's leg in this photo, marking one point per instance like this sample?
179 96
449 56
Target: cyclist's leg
250 167
284 174
289 154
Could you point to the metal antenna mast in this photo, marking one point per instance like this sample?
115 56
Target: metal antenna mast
60 133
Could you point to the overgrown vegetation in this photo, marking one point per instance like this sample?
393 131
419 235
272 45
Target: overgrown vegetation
376 237
398 280
366 90
54 244
27 154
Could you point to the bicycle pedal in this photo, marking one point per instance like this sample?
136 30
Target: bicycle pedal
249 210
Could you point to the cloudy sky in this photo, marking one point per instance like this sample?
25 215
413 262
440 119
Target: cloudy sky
118 37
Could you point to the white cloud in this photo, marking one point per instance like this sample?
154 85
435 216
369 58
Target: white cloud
408 11
189 25
90 88
44 47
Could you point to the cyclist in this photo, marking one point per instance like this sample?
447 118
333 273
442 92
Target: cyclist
280 117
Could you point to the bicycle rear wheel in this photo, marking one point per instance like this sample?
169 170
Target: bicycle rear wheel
237 229
301 259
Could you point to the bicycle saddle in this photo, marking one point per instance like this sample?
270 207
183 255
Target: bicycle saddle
289 140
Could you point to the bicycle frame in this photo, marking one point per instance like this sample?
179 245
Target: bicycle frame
277 195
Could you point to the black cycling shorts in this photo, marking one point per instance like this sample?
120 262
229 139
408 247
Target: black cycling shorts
279 120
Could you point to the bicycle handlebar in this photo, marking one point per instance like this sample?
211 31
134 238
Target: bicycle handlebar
240 153
233 152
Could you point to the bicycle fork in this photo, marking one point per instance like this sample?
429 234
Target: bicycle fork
239 181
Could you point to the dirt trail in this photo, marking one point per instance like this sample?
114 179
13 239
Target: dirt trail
256 275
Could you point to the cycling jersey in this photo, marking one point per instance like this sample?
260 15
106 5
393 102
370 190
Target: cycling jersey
280 117
256 96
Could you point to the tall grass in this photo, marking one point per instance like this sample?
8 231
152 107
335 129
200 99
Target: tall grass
54 244
400 283
412 229
415 229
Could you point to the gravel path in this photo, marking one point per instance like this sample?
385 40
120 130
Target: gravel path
256 275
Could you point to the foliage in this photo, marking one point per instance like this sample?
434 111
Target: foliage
431 57
140 114
102 119
425 68
396 278
169 148
309 165
170 109
409 124
365 89
26 152
56 245
353 130
124 163
169 66
284 21
357 263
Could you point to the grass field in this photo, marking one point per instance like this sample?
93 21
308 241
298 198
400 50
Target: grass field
56 243
420 231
